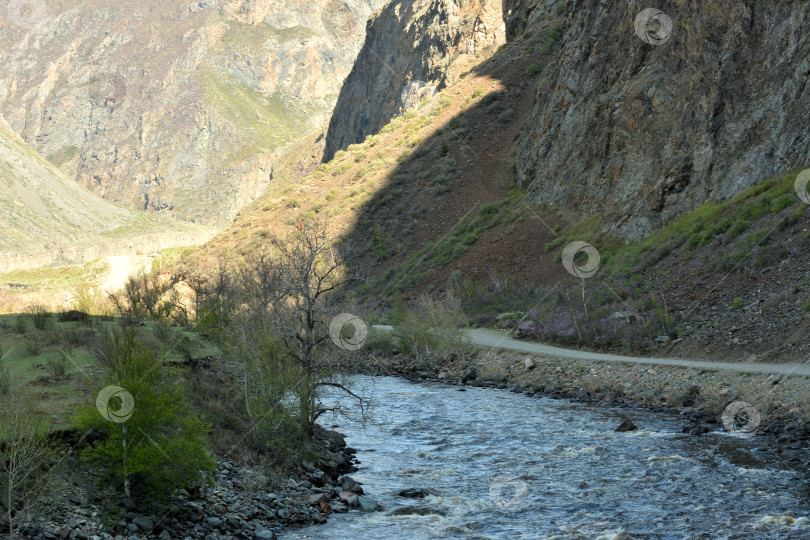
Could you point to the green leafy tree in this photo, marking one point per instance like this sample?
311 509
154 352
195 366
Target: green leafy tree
151 438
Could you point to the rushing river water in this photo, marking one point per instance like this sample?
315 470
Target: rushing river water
505 465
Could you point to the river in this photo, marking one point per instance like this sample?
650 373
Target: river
505 465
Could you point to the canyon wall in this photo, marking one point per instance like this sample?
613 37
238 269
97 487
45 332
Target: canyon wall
640 132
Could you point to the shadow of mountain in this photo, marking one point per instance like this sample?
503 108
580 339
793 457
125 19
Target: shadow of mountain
451 205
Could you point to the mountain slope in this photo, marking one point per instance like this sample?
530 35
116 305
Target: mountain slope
430 205
176 108
635 132
412 50
50 219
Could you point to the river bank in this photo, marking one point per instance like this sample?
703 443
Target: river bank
700 396
243 501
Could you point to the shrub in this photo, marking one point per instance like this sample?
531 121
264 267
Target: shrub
41 317
432 330
559 9
739 226
25 465
780 203
20 325
738 303
533 69
5 377
33 346
806 306
57 366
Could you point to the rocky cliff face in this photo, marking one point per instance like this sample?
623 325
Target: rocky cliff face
175 108
413 48
642 132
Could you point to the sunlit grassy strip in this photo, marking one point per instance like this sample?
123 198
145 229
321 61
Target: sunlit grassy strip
697 228
407 274
58 274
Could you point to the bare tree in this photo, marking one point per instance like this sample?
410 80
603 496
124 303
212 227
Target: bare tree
23 460
273 311
310 271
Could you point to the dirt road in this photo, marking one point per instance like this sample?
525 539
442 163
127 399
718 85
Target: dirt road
498 340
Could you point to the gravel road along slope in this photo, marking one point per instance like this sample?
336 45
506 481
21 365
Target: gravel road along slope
499 340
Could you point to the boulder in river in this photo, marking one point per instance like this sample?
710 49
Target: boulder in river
366 504
415 511
414 493
626 425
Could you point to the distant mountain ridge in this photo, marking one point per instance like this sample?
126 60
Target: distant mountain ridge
48 219
176 108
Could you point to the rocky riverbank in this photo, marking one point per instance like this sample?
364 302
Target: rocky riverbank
243 502
700 396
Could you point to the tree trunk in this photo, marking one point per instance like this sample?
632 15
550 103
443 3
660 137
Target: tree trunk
8 507
126 471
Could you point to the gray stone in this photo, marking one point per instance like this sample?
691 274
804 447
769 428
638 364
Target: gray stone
143 523
414 493
339 507
367 504
626 425
350 484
